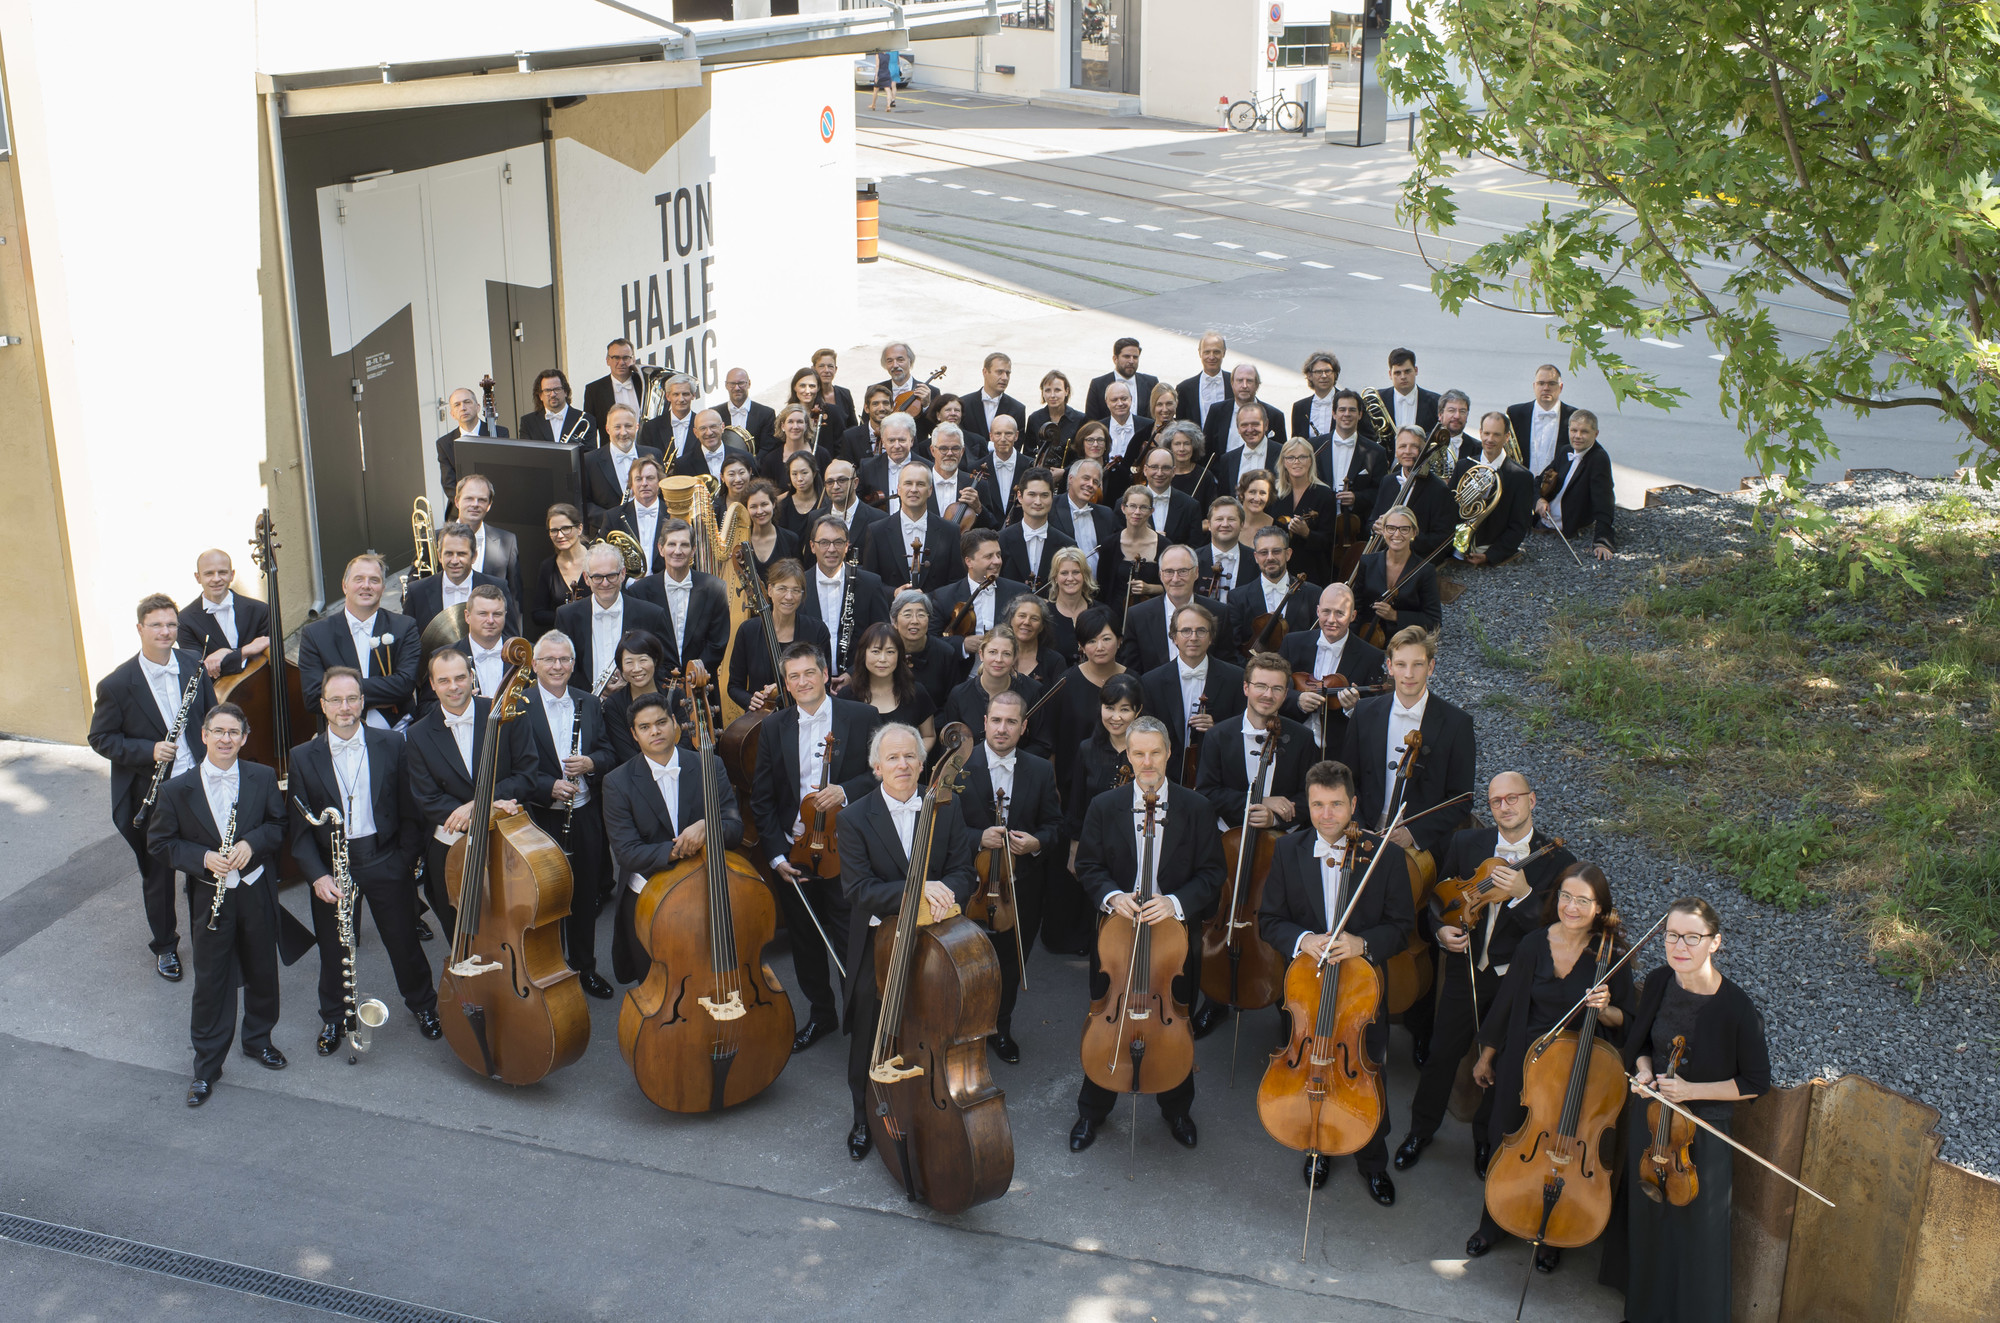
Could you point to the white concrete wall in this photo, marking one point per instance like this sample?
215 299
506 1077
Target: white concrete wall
1034 55
1197 53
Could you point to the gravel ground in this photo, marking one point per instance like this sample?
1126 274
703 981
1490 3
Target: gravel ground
1827 1011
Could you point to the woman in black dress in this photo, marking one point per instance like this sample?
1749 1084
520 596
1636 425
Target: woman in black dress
750 670
937 665
880 677
1193 473
1305 506
642 660
1076 703
1069 921
1075 593
1395 590
1028 616
1552 971
559 580
768 542
1129 565
800 503
1674 1263
1054 441
967 702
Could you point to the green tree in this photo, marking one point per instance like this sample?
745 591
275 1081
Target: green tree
1725 155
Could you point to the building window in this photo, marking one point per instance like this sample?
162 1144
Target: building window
1304 46
1036 15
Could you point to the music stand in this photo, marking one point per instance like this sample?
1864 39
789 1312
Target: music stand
528 477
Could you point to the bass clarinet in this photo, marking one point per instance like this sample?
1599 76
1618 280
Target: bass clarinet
163 765
228 844
359 1018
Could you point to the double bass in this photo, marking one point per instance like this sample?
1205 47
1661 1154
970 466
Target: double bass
512 1007
937 1118
740 737
1238 967
710 1025
269 683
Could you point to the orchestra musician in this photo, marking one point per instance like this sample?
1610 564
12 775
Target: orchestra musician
1130 436
1454 411
1028 545
982 585
495 551
1070 591
558 421
361 773
1404 402
1098 760
643 665
1475 961
998 651
1006 468
937 666
991 402
1196 689
825 366
1312 415
673 431
1176 517
1034 827
1149 630
696 604
1055 413
132 728
1541 424
1305 894
707 452
619 385
881 677
1124 372
1225 528
565 802
829 582
1192 473
426 598
1423 495
1221 427
184 834
752 679
1257 448
640 515
791 753
1579 479
487 630
1349 462
950 477
881 474
1206 388
227 631
595 624
843 503
863 441
1332 649
466 412
1275 591
759 421
913 524
381 645
1394 586
1187 859
1497 538
900 361
1079 517
877 834
560 577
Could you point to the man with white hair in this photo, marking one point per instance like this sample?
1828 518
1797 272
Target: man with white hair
597 624
900 362
881 475
572 754
673 431
914 547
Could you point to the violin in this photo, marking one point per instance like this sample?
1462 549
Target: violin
1331 687
920 562
1548 1182
1191 760
1238 967
1136 1038
965 513
906 398
511 1006
1668 1173
1347 534
1373 629
992 904
1458 902
817 851
938 1120
1268 630
964 617
710 1025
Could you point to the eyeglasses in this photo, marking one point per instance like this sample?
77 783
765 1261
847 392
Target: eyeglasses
1193 632
1569 902
1401 530
1685 939
612 577
1267 690
1507 801
562 530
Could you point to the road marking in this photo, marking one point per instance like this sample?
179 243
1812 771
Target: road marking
959 186
1154 228
1655 340
1344 200
1720 358
1363 275
1005 198
1421 289
1279 257
1072 211
1183 234
1317 266
1046 206
1224 243
982 192
922 180
1112 220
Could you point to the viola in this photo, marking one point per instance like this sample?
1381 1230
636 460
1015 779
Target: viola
992 904
965 513
1136 1038
817 851
511 1006
1458 902
710 1025
906 398
964 618
1268 630
1668 1169
1238 967
1347 534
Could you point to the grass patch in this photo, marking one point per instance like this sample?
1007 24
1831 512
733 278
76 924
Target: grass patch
1491 653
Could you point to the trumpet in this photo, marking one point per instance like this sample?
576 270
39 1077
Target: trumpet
423 533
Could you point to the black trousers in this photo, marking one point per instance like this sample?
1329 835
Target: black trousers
1028 907
435 893
1093 1101
241 952
1068 923
1451 1035
629 961
589 870
828 904
392 900
865 1015
156 884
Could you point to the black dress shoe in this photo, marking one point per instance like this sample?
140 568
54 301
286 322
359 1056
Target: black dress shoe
270 1058
1005 1048
594 984
1408 1152
859 1141
1208 1017
1317 1169
428 1026
1420 1052
424 933
1380 1188
328 1041
169 965
1183 1131
1478 1246
198 1093
811 1033
1482 1153
1082 1135
1548 1258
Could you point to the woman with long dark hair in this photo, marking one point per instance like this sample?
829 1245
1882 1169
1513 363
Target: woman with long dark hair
1028 616
1069 923
880 677
641 661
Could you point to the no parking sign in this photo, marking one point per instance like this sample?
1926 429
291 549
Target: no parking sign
826 124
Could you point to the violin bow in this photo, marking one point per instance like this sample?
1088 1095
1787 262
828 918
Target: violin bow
1383 834
1359 887
1630 951
1752 1154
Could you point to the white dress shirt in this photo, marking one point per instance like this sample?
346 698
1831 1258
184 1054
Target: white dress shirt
1228 560
559 711
1214 390
621 464
904 814
667 780
1253 751
739 415
1003 478
918 533
1163 505
1085 524
479 548
489 667
1332 881
364 650
647 517
1328 658
457 594
1121 434
983 597
1139 844
679 592
990 403
460 729
1033 540
225 616
1001 771
1319 415
1194 683
1543 437
1554 518
814 727
165 683
1402 720
626 392
357 794
1340 451
220 787
1513 852
832 597
555 421
1404 406
713 458
1274 593
607 627
680 428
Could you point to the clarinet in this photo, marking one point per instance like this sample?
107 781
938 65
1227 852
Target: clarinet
847 619
575 746
597 690
344 908
162 766
228 844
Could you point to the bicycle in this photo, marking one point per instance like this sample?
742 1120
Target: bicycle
1287 115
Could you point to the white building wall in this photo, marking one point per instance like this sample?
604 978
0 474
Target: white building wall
1198 54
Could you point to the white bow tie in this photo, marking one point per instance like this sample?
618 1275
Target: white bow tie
1002 764
606 612
216 608
464 718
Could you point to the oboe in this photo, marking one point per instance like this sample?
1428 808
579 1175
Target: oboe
163 765
221 890
575 746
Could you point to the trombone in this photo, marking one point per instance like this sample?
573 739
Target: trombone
423 533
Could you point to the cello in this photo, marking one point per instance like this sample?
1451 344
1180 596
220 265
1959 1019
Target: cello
269 682
1238 967
710 1025
938 1119
740 737
1668 1171
520 1010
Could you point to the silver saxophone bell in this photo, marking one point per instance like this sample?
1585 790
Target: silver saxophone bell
369 1016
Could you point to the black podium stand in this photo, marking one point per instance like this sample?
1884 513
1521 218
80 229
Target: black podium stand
528 477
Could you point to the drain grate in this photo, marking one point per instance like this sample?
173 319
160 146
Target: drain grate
215 1272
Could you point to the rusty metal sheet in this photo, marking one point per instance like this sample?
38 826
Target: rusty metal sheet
1957 1269
1870 1150
1761 1205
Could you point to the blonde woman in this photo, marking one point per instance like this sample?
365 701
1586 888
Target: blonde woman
1305 506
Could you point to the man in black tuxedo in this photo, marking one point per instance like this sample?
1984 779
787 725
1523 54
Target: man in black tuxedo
1175 515
572 751
1349 462
1225 526
484 645
673 431
1454 414
1258 451
655 814
1195 678
607 470
597 624
1186 878
792 779
952 481
558 421
1130 438
1497 538
444 749
1274 591
982 585
900 362
1443 768
1125 371
132 728
1149 641
1219 428
887 554
1028 546
863 441
639 517
843 502
741 411
1541 425
696 604
226 630
1207 388
426 598
991 401
1427 497
1583 491
707 453
1312 415
1333 648
621 385
1305 894
382 645
222 794
359 773
1078 516
1033 830
1006 467
465 411
1403 402
881 474
495 551
828 583
1475 961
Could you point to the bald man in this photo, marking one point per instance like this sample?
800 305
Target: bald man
706 452
1332 649
228 631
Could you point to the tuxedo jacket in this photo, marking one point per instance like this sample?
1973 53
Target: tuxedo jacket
503 561
1105 519
313 781
1590 499
873 866
578 429
774 786
1426 420
1415 601
1231 466
1501 935
1295 898
602 492
423 600
1033 807
1429 500
636 824
1217 429
886 556
574 619
126 724
1014 562
1506 527
183 828
1364 471
1187 856
438 777
1161 690
1031 437
390 688
1302 420
1246 603
871 607
663 435
1187 400
598 397
626 518
758 420
1142 395
706 630
996 510
1204 565
1521 417
1123 469
200 631
972 414
1443 768
692 463
946 599
1184 518
859 443
968 700
1223 779
1360 661
1146 646
860 517
595 744
871 477
447 457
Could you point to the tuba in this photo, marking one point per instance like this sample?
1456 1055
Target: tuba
423 533
1477 493
652 390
